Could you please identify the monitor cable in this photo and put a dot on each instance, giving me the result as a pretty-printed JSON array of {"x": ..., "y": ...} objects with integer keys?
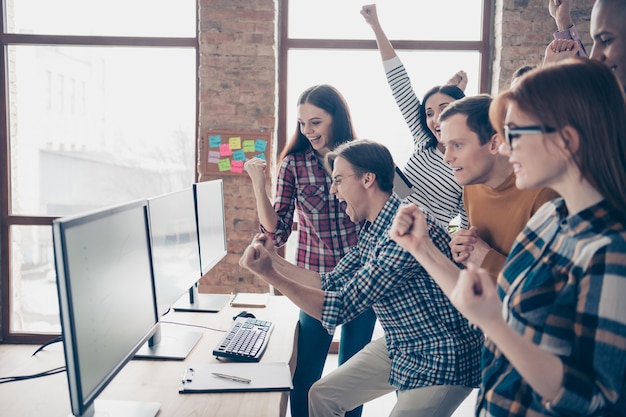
[{"x": 53, "y": 371}]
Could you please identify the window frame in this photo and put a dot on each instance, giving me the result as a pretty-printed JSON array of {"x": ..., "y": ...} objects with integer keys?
[
  {"x": 482, "y": 46},
  {"x": 6, "y": 218}
]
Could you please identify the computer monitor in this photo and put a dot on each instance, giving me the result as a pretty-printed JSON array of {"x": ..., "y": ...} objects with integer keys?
[
  {"x": 106, "y": 299},
  {"x": 209, "y": 206},
  {"x": 176, "y": 268},
  {"x": 209, "y": 198}
]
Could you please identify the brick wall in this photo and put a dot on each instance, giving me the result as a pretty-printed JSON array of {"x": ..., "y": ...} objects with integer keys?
[
  {"x": 523, "y": 29},
  {"x": 238, "y": 91}
]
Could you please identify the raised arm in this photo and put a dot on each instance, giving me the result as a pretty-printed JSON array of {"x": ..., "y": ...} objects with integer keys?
[
  {"x": 560, "y": 49},
  {"x": 397, "y": 78},
  {"x": 384, "y": 46},
  {"x": 255, "y": 168},
  {"x": 476, "y": 298},
  {"x": 410, "y": 230},
  {"x": 561, "y": 12},
  {"x": 459, "y": 79}
]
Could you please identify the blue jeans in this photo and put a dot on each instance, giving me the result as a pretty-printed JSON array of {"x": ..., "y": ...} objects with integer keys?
[{"x": 313, "y": 344}]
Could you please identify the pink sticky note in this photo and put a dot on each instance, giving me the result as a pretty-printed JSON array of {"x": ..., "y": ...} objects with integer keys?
[
  {"x": 225, "y": 150},
  {"x": 236, "y": 166}
]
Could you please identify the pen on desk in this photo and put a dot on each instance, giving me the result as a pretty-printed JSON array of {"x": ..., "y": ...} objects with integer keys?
[{"x": 232, "y": 378}]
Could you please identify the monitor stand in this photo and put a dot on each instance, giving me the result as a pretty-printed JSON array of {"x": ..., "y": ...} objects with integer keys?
[
  {"x": 202, "y": 303},
  {"x": 170, "y": 344},
  {"x": 110, "y": 408}
]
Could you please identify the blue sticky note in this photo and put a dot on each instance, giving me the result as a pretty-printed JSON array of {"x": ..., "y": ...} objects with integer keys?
[
  {"x": 239, "y": 155},
  {"x": 214, "y": 141},
  {"x": 260, "y": 145},
  {"x": 261, "y": 156}
]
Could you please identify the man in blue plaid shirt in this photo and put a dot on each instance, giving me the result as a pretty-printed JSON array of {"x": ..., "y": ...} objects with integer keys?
[{"x": 430, "y": 353}]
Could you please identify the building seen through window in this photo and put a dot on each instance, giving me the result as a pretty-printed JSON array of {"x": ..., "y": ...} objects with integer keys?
[{"x": 91, "y": 124}]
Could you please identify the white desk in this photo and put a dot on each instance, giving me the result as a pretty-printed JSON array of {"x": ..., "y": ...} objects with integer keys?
[{"x": 145, "y": 380}]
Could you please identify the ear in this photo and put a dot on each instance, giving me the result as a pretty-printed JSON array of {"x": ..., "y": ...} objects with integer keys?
[
  {"x": 570, "y": 140},
  {"x": 369, "y": 179},
  {"x": 494, "y": 144}
]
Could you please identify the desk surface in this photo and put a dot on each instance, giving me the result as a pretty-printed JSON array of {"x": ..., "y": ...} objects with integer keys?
[{"x": 146, "y": 380}]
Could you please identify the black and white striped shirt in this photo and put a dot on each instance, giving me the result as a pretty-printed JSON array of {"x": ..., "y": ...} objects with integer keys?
[{"x": 436, "y": 187}]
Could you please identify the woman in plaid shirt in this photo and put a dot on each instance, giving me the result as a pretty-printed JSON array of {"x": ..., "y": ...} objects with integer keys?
[
  {"x": 325, "y": 232},
  {"x": 555, "y": 324}
]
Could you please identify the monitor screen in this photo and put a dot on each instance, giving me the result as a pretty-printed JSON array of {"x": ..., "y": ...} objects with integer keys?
[
  {"x": 106, "y": 295},
  {"x": 209, "y": 206},
  {"x": 175, "y": 255},
  {"x": 211, "y": 228},
  {"x": 176, "y": 268}
]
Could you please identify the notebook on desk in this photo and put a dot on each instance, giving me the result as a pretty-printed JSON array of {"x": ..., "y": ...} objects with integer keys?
[
  {"x": 236, "y": 377},
  {"x": 247, "y": 299}
]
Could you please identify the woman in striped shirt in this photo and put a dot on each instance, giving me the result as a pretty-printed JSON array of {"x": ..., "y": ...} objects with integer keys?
[{"x": 436, "y": 189}]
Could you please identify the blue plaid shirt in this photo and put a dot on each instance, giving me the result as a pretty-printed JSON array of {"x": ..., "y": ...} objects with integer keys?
[
  {"x": 564, "y": 287},
  {"x": 428, "y": 340}
]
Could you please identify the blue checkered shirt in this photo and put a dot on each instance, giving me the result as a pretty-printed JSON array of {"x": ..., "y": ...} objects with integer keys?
[{"x": 428, "y": 340}]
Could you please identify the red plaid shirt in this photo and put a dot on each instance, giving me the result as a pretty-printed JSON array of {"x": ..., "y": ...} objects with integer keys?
[{"x": 325, "y": 232}]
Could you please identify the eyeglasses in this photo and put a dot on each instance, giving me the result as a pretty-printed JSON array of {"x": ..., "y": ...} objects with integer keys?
[
  {"x": 337, "y": 180},
  {"x": 511, "y": 133}
]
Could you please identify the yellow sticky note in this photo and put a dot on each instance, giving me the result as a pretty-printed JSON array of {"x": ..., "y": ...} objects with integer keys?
[{"x": 234, "y": 142}]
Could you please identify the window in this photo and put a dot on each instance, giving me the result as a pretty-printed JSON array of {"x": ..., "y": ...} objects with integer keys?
[
  {"x": 100, "y": 108},
  {"x": 329, "y": 42}
]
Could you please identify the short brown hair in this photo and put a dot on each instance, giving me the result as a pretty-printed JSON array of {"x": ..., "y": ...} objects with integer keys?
[{"x": 366, "y": 156}]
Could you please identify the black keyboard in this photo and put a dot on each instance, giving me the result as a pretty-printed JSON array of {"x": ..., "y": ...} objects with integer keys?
[{"x": 246, "y": 340}]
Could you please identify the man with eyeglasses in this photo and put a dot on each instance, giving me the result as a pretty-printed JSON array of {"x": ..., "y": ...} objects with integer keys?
[
  {"x": 429, "y": 354},
  {"x": 497, "y": 210}
]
